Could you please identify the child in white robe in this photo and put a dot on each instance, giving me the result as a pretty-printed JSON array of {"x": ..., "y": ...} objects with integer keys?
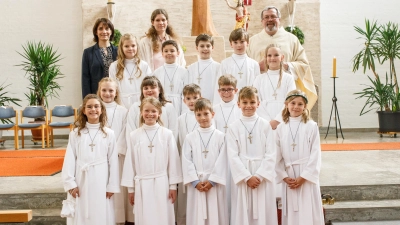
[
  {"x": 204, "y": 166},
  {"x": 298, "y": 163},
  {"x": 109, "y": 93},
  {"x": 90, "y": 169},
  {"x": 151, "y": 87},
  {"x": 129, "y": 70},
  {"x": 273, "y": 86},
  {"x": 239, "y": 65},
  {"x": 172, "y": 76},
  {"x": 205, "y": 71},
  {"x": 152, "y": 168},
  {"x": 186, "y": 124},
  {"x": 251, "y": 154}
]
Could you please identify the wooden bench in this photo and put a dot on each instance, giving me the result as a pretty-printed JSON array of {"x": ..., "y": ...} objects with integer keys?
[{"x": 12, "y": 216}]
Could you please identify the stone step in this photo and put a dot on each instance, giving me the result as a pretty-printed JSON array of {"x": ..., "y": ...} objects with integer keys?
[
  {"x": 363, "y": 192},
  {"x": 347, "y": 211},
  {"x": 32, "y": 201}
]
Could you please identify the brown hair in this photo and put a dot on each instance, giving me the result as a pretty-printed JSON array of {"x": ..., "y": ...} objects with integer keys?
[
  {"x": 153, "y": 81},
  {"x": 170, "y": 42},
  {"x": 153, "y": 101},
  {"x": 121, "y": 57},
  {"x": 280, "y": 64},
  {"x": 191, "y": 89},
  {"x": 152, "y": 32},
  {"x": 227, "y": 79},
  {"x": 105, "y": 22},
  {"x": 248, "y": 92},
  {"x": 239, "y": 34},
  {"x": 206, "y": 38},
  {"x": 81, "y": 120},
  {"x": 305, "y": 116},
  {"x": 117, "y": 98},
  {"x": 203, "y": 104}
]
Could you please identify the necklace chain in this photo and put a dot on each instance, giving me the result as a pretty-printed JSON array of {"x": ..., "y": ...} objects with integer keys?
[
  {"x": 187, "y": 130},
  {"x": 240, "y": 68},
  {"x": 92, "y": 139},
  {"x": 198, "y": 70},
  {"x": 226, "y": 121},
  {"x": 274, "y": 88},
  {"x": 205, "y": 146},
  {"x": 130, "y": 73},
  {"x": 291, "y": 134},
  {"x": 171, "y": 84},
  {"x": 250, "y": 132},
  {"x": 151, "y": 141},
  {"x": 112, "y": 120}
]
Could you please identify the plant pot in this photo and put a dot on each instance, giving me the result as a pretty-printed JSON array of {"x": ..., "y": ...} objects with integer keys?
[
  {"x": 37, "y": 134},
  {"x": 389, "y": 121}
]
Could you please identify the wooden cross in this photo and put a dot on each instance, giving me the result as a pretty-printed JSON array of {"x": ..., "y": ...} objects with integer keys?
[
  {"x": 205, "y": 153},
  {"x": 226, "y": 127},
  {"x": 198, "y": 79},
  {"x": 275, "y": 94},
  {"x": 250, "y": 137},
  {"x": 151, "y": 147},
  {"x": 92, "y": 145},
  {"x": 130, "y": 79},
  {"x": 240, "y": 73},
  {"x": 171, "y": 86},
  {"x": 293, "y": 145}
]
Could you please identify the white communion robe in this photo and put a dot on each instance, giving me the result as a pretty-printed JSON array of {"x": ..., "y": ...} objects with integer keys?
[
  {"x": 116, "y": 121},
  {"x": 235, "y": 65},
  {"x": 129, "y": 86},
  {"x": 169, "y": 118},
  {"x": 205, "y": 73},
  {"x": 271, "y": 106},
  {"x": 151, "y": 172},
  {"x": 94, "y": 171},
  {"x": 295, "y": 55},
  {"x": 301, "y": 205},
  {"x": 173, "y": 78},
  {"x": 186, "y": 124},
  {"x": 206, "y": 208},
  {"x": 252, "y": 206}
]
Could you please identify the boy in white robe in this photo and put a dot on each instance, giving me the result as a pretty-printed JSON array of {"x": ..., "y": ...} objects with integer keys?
[
  {"x": 205, "y": 71},
  {"x": 298, "y": 163},
  {"x": 152, "y": 168},
  {"x": 172, "y": 76},
  {"x": 252, "y": 156},
  {"x": 204, "y": 170},
  {"x": 243, "y": 68},
  {"x": 186, "y": 124}
]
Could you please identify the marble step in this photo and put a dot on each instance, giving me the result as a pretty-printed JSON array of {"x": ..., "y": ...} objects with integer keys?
[
  {"x": 363, "y": 192},
  {"x": 32, "y": 201},
  {"x": 376, "y": 210}
]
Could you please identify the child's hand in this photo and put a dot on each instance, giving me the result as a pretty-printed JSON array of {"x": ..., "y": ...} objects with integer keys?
[
  {"x": 253, "y": 182},
  {"x": 131, "y": 198},
  {"x": 298, "y": 182},
  {"x": 207, "y": 186},
  {"x": 262, "y": 64},
  {"x": 74, "y": 192},
  {"x": 200, "y": 186},
  {"x": 172, "y": 195},
  {"x": 274, "y": 124},
  {"x": 109, "y": 194},
  {"x": 289, "y": 180}
]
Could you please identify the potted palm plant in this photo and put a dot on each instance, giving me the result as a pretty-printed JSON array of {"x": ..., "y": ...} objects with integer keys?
[
  {"x": 381, "y": 45},
  {"x": 43, "y": 71}
]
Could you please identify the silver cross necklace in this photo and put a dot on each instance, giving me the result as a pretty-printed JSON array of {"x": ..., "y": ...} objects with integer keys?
[
  {"x": 223, "y": 116},
  {"x": 151, "y": 141},
  {"x": 130, "y": 74},
  {"x": 198, "y": 70},
  {"x": 92, "y": 139},
  {"x": 240, "y": 68},
  {"x": 294, "y": 138},
  {"x": 171, "y": 81},
  {"x": 250, "y": 132},
  {"x": 274, "y": 88},
  {"x": 205, "y": 146}
]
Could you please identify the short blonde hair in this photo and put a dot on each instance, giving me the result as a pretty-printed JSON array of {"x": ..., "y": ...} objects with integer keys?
[
  {"x": 156, "y": 103},
  {"x": 305, "y": 116},
  {"x": 248, "y": 92},
  {"x": 117, "y": 97},
  {"x": 203, "y": 104},
  {"x": 227, "y": 79}
]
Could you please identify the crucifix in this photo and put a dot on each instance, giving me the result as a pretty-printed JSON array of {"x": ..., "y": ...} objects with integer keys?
[
  {"x": 275, "y": 94},
  {"x": 226, "y": 127},
  {"x": 130, "y": 79},
  {"x": 250, "y": 137},
  {"x": 205, "y": 153},
  {"x": 171, "y": 86},
  {"x": 240, "y": 73},
  {"x": 151, "y": 147},
  {"x": 293, "y": 145},
  {"x": 92, "y": 145},
  {"x": 198, "y": 79}
]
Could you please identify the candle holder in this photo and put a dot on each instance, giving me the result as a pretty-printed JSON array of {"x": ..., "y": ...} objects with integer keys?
[{"x": 334, "y": 108}]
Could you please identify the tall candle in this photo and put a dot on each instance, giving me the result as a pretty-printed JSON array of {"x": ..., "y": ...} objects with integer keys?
[
  {"x": 110, "y": 0},
  {"x": 334, "y": 67}
]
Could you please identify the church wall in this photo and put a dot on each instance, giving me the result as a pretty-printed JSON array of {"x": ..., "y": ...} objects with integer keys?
[{"x": 338, "y": 38}]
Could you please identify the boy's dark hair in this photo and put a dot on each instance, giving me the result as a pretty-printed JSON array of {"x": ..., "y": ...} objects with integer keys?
[
  {"x": 204, "y": 37},
  {"x": 170, "y": 42},
  {"x": 239, "y": 34}
]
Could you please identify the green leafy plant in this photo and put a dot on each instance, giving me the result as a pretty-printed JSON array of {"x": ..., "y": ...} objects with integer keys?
[
  {"x": 381, "y": 44},
  {"x": 41, "y": 69},
  {"x": 296, "y": 31},
  {"x": 117, "y": 37},
  {"x": 6, "y": 100}
]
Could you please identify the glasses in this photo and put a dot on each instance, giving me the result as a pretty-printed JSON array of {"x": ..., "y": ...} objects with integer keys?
[
  {"x": 270, "y": 18},
  {"x": 223, "y": 90}
]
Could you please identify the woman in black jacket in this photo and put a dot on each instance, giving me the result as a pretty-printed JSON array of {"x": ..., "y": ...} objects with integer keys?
[{"x": 97, "y": 59}]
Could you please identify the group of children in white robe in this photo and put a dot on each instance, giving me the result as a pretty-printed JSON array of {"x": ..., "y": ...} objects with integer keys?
[{"x": 218, "y": 161}]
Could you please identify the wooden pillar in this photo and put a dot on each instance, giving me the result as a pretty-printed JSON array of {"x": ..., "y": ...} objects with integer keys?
[{"x": 201, "y": 18}]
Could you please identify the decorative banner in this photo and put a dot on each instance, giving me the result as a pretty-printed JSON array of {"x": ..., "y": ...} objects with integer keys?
[{"x": 247, "y": 2}]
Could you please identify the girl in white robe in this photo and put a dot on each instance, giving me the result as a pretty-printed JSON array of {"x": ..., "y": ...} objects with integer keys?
[
  {"x": 151, "y": 87},
  {"x": 204, "y": 166},
  {"x": 172, "y": 76},
  {"x": 110, "y": 95},
  {"x": 129, "y": 70},
  {"x": 299, "y": 163},
  {"x": 251, "y": 154},
  {"x": 273, "y": 86},
  {"x": 90, "y": 169},
  {"x": 152, "y": 168}
]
